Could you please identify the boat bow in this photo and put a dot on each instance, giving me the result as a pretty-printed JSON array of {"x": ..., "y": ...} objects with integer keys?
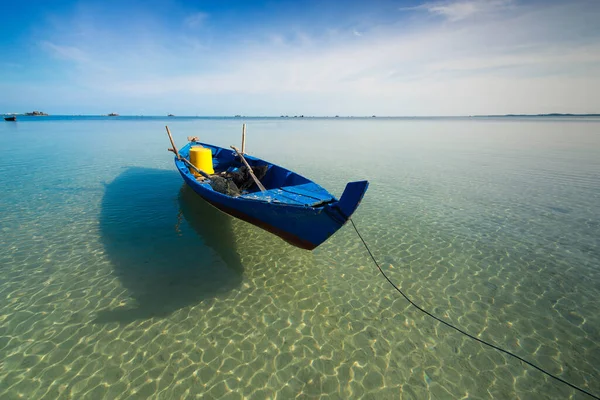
[{"x": 352, "y": 196}]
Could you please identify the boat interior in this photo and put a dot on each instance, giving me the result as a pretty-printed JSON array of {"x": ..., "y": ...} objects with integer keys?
[{"x": 282, "y": 185}]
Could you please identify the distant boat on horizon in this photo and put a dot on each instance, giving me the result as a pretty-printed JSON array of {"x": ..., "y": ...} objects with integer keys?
[
  {"x": 11, "y": 118},
  {"x": 170, "y": 115},
  {"x": 113, "y": 115}
]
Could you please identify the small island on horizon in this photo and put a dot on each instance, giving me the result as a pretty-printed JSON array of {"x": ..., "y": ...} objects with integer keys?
[{"x": 30, "y": 114}]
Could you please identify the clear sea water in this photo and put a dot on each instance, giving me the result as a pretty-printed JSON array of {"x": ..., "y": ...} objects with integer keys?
[{"x": 117, "y": 282}]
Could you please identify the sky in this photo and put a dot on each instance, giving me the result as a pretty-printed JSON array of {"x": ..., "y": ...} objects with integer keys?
[{"x": 321, "y": 58}]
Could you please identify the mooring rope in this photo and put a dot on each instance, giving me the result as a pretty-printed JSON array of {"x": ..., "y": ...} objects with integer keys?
[{"x": 460, "y": 330}]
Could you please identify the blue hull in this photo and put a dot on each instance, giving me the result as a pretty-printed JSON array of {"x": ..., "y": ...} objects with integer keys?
[{"x": 293, "y": 208}]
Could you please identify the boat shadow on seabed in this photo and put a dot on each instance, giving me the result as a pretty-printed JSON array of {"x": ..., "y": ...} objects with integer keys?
[{"x": 169, "y": 248}]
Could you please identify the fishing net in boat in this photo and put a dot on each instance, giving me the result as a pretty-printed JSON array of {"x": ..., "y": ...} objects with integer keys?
[
  {"x": 236, "y": 181},
  {"x": 223, "y": 185},
  {"x": 242, "y": 178}
]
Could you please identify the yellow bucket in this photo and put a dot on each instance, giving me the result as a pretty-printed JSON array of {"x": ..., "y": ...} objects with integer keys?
[{"x": 201, "y": 157}]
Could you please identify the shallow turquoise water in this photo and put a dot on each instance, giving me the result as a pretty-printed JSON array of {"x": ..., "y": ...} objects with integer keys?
[{"x": 117, "y": 281}]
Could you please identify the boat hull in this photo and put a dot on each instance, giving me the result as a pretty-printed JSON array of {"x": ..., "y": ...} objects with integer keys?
[{"x": 302, "y": 226}]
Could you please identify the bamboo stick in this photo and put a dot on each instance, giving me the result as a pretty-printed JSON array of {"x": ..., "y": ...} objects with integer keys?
[
  {"x": 260, "y": 185},
  {"x": 198, "y": 170},
  {"x": 244, "y": 139},
  {"x": 173, "y": 143}
]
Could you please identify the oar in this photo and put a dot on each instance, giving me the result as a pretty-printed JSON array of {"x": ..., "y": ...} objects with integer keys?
[
  {"x": 185, "y": 160},
  {"x": 260, "y": 185}
]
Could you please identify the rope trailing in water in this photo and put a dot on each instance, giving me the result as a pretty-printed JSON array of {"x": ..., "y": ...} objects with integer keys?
[{"x": 460, "y": 330}]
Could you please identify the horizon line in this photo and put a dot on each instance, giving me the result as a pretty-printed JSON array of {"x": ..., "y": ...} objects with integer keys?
[{"x": 309, "y": 116}]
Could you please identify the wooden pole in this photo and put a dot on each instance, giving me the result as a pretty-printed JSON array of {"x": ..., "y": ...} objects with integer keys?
[
  {"x": 260, "y": 185},
  {"x": 244, "y": 139},
  {"x": 173, "y": 143},
  {"x": 198, "y": 170}
]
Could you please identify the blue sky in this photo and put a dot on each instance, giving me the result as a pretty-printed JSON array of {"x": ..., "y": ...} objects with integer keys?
[{"x": 450, "y": 57}]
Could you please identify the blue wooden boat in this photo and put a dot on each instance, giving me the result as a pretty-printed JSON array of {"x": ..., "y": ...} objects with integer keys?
[{"x": 292, "y": 207}]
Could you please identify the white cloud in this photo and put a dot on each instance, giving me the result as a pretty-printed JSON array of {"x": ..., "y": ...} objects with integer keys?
[
  {"x": 462, "y": 9},
  {"x": 69, "y": 53},
  {"x": 195, "y": 20}
]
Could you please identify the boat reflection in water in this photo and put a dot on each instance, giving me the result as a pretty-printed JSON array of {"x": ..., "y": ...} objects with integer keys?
[
  {"x": 214, "y": 227},
  {"x": 164, "y": 264}
]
